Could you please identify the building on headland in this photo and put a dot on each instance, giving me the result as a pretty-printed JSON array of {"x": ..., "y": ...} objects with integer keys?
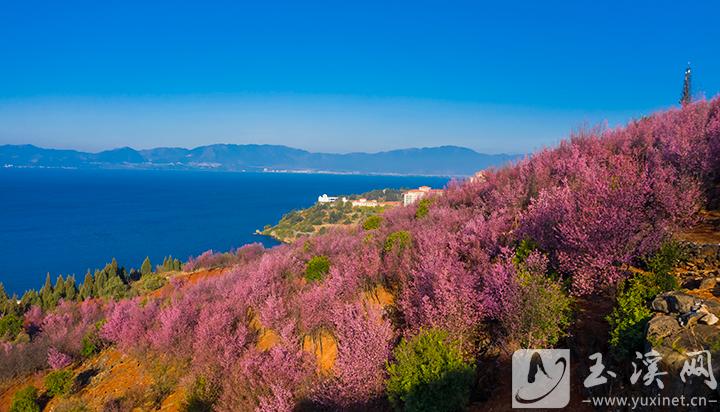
[
  {"x": 327, "y": 199},
  {"x": 412, "y": 196},
  {"x": 362, "y": 202}
]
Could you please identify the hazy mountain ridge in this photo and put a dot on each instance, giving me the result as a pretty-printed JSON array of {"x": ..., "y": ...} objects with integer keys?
[{"x": 442, "y": 160}]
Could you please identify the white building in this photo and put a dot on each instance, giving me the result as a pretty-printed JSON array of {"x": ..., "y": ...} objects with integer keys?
[
  {"x": 327, "y": 199},
  {"x": 330, "y": 199},
  {"x": 364, "y": 203},
  {"x": 412, "y": 196}
]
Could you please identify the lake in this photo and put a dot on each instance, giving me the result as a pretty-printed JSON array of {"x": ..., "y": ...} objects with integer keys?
[{"x": 67, "y": 221}]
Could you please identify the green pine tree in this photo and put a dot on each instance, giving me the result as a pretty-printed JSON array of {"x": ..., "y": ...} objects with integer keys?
[
  {"x": 146, "y": 267},
  {"x": 177, "y": 265},
  {"x": 3, "y": 301},
  {"x": 12, "y": 305},
  {"x": 114, "y": 288},
  {"x": 59, "y": 289},
  {"x": 87, "y": 289},
  {"x": 47, "y": 287},
  {"x": 101, "y": 278},
  {"x": 70, "y": 288},
  {"x": 46, "y": 294},
  {"x": 113, "y": 268},
  {"x": 30, "y": 298}
]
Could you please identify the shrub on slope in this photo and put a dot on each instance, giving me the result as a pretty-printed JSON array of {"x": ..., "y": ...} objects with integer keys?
[{"x": 429, "y": 374}]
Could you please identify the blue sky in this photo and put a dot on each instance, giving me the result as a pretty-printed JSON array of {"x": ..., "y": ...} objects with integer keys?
[{"x": 342, "y": 76}]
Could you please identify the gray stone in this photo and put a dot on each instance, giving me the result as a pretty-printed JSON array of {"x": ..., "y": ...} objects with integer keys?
[
  {"x": 673, "y": 343},
  {"x": 679, "y": 302},
  {"x": 712, "y": 307},
  {"x": 659, "y": 304},
  {"x": 661, "y": 326}
]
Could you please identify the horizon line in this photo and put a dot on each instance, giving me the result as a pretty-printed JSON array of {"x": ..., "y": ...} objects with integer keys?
[{"x": 264, "y": 144}]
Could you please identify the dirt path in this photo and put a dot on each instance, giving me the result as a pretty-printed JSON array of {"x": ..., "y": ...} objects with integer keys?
[{"x": 707, "y": 231}]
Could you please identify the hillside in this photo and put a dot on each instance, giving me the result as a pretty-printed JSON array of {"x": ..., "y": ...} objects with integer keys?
[
  {"x": 439, "y": 161},
  {"x": 576, "y": 247}
]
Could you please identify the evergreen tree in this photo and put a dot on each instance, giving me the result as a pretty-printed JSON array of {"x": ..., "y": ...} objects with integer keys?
[
  {"x": 177, "y": 265},
  {"x": 146, "y": 267},
  {"x": 686, "y": 96},
  {"x": 3, "y": 301},
  {"x": 113, "y": 268},
  {"x": 46, "y": 293},
  {"x": 114, "y": 288},
  {"x": 30, "y": 298},
  {"x": 70, "y": 288},
  {"x": 101, "y": 278},
  {"x": 12, "y": 305},
  {"x": 47, "y": 287},
  {"x": 59, "y": 289},
  {"x": 87, "y": 289}
]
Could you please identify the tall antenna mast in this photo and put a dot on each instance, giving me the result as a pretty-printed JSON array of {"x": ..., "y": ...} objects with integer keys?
[{"x": 686, "y": 97}]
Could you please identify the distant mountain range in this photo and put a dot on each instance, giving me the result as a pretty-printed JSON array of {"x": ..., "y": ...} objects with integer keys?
[{"x": 442, "y": 161}]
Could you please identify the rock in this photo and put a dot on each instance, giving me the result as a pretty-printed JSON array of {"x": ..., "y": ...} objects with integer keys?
[
  {"x": 708, "y": 319},
  {"x": 712, "y": 307},
  {"x": 659, "y": 304},
  {"x": 679, "y": 302},
  {"x": 674, "y": 343},
  {"x": 707, "y": 284},
  {"x": 689, "y": 282},
  {"x": 691, "y": 319},
  {"x": 661, "y": 326}
]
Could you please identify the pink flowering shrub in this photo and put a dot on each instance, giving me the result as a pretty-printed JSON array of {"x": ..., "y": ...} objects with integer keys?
[
  {"x": 500, "y": 288},
  {"x": 441, "y": 291},
  {"x": 127, "y": 324},
  {"x": 57, "y": 359},
  {"x": 220, "y": 337},
  {"x": 269, "y": 381},
  {"x": 210, "y": 259},
  {"x": 53, "y": 339},
  {"x": 364, "y": 344},
  {"x": 33, "y": 320},
  {"x": 603, "y": 217}
]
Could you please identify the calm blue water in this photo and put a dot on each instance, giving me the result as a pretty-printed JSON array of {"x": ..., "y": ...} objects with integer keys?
[{"x": 66, "y": 221}]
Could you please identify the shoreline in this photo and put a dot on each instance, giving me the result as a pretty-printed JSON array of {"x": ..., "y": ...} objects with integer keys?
[{"x": 213, "y": 170}]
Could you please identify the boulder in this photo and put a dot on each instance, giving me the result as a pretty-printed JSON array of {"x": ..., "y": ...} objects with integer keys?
[
  {"x": 674, "y": 347},
  {"x": 659, "y": 304},
  {"x": 661, "y": 326},
  {"x": 707, "y": 283},
  {"x": 679, "y": 302},
  {"x": 709, "y": 319}
]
